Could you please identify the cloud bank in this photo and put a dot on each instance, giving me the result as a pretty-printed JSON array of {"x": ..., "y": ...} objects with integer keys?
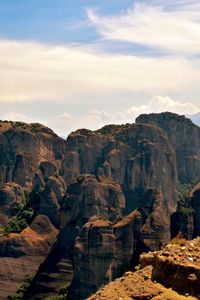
[{"x": 35, "y": 72}]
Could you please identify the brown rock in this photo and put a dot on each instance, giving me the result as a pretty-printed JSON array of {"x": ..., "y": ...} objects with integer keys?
[
  {"x": 185, "y": 139},
  {"x": 21, "y": 254},
  {"x": 11, "y": 196}
]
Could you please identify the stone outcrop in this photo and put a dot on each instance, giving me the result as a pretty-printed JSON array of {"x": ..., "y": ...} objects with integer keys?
[
  {"x": 137, "y": 285},
  {"x": 101, "y": 243},
  {"x": 22, "y": 149},
  {"x": 184, "y": 136},
  {"x": 85, "y": 213},
  {"x": 12, "y": 196},
  {"x": 172, "y": 273},
  {"x": 131, "y": 155},
  {"x": 21, "y": 254},
  {"x": 186, "y": 218},
  {"x": 177, "y": 266}
]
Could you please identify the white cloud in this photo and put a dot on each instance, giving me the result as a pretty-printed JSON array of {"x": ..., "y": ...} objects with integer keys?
[
  {"x": 33, "y": 71},
  {"x": 160, "y": 104},
  {"x": 20, "y": 117},
  {"x": 65, "y": 123},
  {"x": 176, "y": 29},
  {"x": 13, "y": 116}
]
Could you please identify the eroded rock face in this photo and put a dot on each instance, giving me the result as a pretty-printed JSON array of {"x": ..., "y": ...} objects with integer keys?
[
  {"x": 137, "y": 156},
  {"x": 91, "y": 198},
  {"x": 186, "y": 218},
  {"x": 12, "y": 195},
  {"x": 86, "y": 240},
  {"x": 100, "y": 246},
  {"x": 21, "y": 254},
  {"x": 185, "y": 139},
  {"x": 156, "y": 229},
  {"x": 182, "y": 221},
  {"x": 195, "y": 204},
  {"x": 23, "y": 147},
  {"x": 93, "y": 255},
  {"x": 110, "y": 193}
]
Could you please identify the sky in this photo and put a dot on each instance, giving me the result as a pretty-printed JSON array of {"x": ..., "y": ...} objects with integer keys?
[{"x": 73, "y": 64}]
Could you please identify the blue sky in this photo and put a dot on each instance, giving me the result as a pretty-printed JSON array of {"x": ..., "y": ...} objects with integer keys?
[
  {"x": 72, "y": 64},
  {"x": 53, "y": 21}
]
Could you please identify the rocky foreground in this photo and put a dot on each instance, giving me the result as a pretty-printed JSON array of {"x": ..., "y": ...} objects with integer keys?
[{"x": 170, "y": 274}]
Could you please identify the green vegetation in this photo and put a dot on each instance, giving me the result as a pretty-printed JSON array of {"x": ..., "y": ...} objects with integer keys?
[
  {"x": 57, "y": 297},
  {"x": 137, "y": 268},
  {"x": 21, "y": 293},
  {"x": 186, "y": 211},
  {"x": 184, "y": 189},
  {"x": 21, "y": 216},
  {"x": 62, "y": 294},
  {"x": 109, "y": 130},
  {"x": 33, "y": 127},
  {"x": 119, "y": 132},
  {"x": 16, "y": 224}
]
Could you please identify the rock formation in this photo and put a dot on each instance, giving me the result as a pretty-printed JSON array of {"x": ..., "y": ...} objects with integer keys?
[
  {"x": 109, "y": 194},
  {"x": 21, "y": 254},
  {"x": 23, "y": 147},
  {"x": 184, "y": 136},
  {"x": 186, "y": 218},
  {"x": 173, "y": 273}
]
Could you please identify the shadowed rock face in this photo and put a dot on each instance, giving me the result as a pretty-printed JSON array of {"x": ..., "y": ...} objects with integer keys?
[
  {"x": 137, "y": 156},
  {"x": 100, "y": 243},
  {"x": 110, "y": 194},
  {"x": 86, "y": 239},
  {"x": 185, "y": 139},
  {"x": 11, "y": 195},
  {"x": 186, "y": 219},
  {"x": 195, "y": 204}
]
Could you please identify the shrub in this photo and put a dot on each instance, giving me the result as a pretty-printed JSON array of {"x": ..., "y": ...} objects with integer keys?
[
  {"x": 184, "y": 189},
  {"x": 16, "y": 224},
  {"x": 62, "y": 294},
  {"x": 21, "y": 216},
  {"x": 21, "y": 293},
  {"x": 186, "y": 211}
]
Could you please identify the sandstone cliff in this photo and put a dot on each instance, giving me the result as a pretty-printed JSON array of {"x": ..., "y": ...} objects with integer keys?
[
  {"x": 184, "y": 136},
  {"x": 108, "y": 194}
]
